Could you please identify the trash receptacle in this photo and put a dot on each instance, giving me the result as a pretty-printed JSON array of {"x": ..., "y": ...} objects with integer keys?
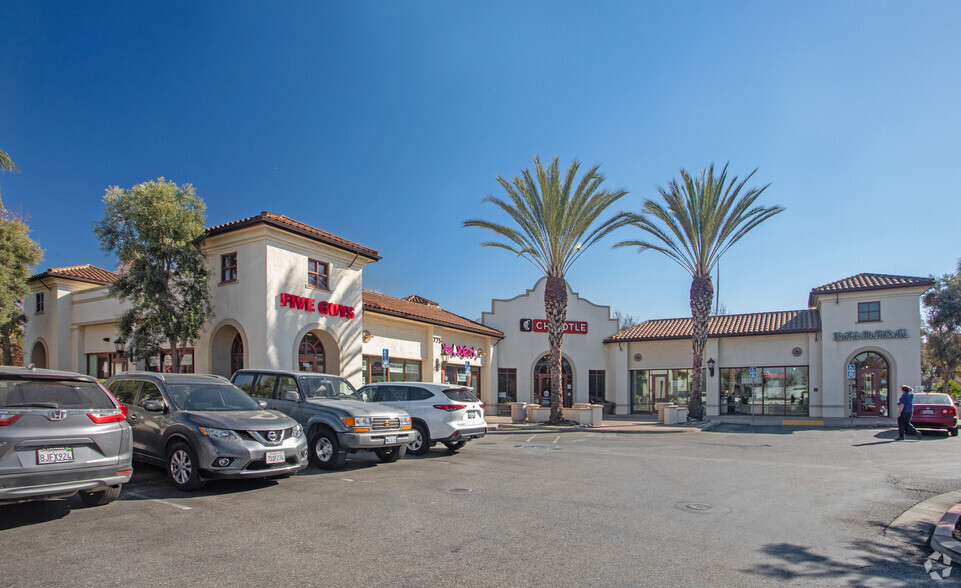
[
  {"x": 670, "y": 414},
  {"x": 661, "y": 408}
]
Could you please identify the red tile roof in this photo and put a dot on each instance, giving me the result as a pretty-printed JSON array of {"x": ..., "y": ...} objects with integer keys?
[
  {"x": 431, "y": 313},
  {"x": 867, "y": 282},
  {"x": 80, "y": 273},
  {"x": 732, "y": 325},
  {"x": 297, "y": 227}
]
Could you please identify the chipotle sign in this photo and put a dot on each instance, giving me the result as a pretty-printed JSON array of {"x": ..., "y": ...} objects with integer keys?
[
  {"x": 311, "y": 305},
  {"x": 540, "y": 326}
]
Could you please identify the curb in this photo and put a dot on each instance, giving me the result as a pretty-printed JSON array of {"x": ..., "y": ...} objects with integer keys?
[
  {"x": 642, "y": 429},
  {"x": 942, "y": 540}
]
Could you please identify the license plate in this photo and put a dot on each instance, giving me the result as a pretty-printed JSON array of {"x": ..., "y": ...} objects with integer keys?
[
  {"x": 55, "y": 455},
  {"x": 390, "y": 440},
  {"x": 471, "y": 414},
  {"x": 275, "y": 457},
  {"x": 927, "y": 412}
]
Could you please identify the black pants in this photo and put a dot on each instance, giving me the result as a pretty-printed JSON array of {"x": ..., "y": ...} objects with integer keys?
[{"x": 904, "y": 424}]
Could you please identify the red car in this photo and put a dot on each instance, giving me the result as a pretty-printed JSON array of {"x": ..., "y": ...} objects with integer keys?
[{"x": 935, "y": 411}]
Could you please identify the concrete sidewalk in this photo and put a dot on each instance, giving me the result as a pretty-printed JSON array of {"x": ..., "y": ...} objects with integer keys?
[{"x": 634, "y": 423}]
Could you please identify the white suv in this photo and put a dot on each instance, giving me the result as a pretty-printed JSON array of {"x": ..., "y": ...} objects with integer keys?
[{"x": 440, "y": 413}]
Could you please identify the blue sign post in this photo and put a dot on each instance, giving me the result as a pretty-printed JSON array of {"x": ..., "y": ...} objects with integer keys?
[
  {"x": 753, "y": 373},
  {"x": 467, "y": 372},
  {"x": 385, "y": 361},
  {"x": 851, "y": 371}
]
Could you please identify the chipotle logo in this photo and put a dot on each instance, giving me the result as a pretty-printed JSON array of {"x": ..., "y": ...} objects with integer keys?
[
  {"x": 311, "y": 305},
  {"x": 540, "y": 326}
]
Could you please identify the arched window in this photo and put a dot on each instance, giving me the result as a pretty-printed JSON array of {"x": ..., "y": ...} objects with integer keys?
[
  {"x": 237, "y": 354},
  {"x": 542, "y": 381},
  {"x": 868, "y": 391},
  {"x": 311, "y": 355}
]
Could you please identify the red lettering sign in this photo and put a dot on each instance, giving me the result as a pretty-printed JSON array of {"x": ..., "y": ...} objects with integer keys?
[
  {"x": 540, "y": 326},
  {"x": 310, "y": 305}
]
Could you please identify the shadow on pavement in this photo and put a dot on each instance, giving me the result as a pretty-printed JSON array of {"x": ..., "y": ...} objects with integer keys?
[{"x": 31, "y": 513}]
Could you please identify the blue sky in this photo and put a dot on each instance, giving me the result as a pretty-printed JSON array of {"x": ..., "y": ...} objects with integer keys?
[{"x": 386, "y": 123}]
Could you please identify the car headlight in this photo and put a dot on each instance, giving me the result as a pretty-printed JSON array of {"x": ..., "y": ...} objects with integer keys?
[
  {"x": 405, "y": 421},
  {"x": 298, "y": 431},
  {"x": 358, "y": 422},
  {"x": 220, "y": 434}
]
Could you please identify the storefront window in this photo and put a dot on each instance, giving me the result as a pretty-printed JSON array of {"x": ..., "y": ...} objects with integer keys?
[
  {"x": 775, "y": 390},
  {"x": 400, "y": 370},
  {"x": 650, "y": 387},
  {"x": 507, "y": 385},
  {"x": 104, "y": 365},
  {"x": 596, "y": 385}
]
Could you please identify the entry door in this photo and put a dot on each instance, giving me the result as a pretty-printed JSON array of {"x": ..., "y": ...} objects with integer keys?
[
  {"x": 543, "y": 390},
  {"x": 659, "y": 390},
  {"x": 869, "y": 392}
]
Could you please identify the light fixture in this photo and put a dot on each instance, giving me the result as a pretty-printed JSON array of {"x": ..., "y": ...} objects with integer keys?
[
  {"x": 710, "y": 366},
  {"x": 106, "y": 339},
  {"x": 436, "y": 365},
  {"x": 118, "y": 346}
]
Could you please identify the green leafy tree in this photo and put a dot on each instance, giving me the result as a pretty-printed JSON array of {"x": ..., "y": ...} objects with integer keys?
[
  {"x": 17, "y": 253},
  {"x": 555, "y": 219},
  {"x": 156, "y": 229},
  {"x": 699, "y": 219},
  {"x": 942, "y": 346}
]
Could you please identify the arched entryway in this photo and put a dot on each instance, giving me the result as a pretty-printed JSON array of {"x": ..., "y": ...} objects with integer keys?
[
  {"x": 227, "y": 350},
  {"x": 310, "y": 355},
  {"x": 38, "y": 355},
  {"x": 868, "y": 391},
  {"x": 542, "y": 382}
]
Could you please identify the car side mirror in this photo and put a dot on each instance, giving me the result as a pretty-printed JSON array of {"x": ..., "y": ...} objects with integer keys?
[
  {"x": 153, "y": 406},
  {"x": 291, "y": 396},
  {"x": 262, "y": 403}
]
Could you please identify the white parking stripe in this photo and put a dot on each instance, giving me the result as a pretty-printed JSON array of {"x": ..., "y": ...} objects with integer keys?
[
  {"x": 556, "y": 439},
  {"x": 158, "y": 500},
  {"x": 529, "y": 440}
]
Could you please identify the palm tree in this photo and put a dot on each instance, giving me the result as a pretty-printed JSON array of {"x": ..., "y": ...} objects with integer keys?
[
  {"x": 6, "y": 164},
  {"x": 554, "y": 223},
  {"x": 703, "y": 217}
]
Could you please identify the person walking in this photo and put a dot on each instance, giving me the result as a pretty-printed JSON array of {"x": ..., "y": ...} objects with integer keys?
[{"x": 905, "y": 411}]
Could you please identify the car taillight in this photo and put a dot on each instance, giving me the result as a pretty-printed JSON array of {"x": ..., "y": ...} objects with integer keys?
[
  {"x": 949, "y": 411},
  {"x": 113, "y": 416},
  {"x": 450, "y": 407},
  {"x": 482, "y": 405},
  {"x": 8, "y": 418}
]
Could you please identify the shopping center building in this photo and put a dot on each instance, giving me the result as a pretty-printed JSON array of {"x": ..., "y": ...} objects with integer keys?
[{"x": 288, "y": 295}]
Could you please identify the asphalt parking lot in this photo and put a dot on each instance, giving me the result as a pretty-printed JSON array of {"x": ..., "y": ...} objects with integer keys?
[{"x": 731, "y": 506}]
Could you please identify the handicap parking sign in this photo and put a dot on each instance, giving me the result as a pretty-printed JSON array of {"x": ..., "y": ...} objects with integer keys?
[{"x": 851, "y": 371}]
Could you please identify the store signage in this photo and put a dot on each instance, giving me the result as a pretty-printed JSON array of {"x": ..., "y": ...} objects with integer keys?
[
  {"x": 879, "y": 334},
  {"x": 540, "y": 326},
  {"x": 458, "y": 350},
  {"x": 311, "y": 305},
  {"x": 852, "y": 370}
]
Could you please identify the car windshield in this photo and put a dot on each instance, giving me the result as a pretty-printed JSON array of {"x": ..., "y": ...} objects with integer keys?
[
  {"x": 461, "y": 395},
  {"x": 932, "y": 399},
  {"x": 210, "y": 397},
  {"x": 327, "y": 387},
  {"x": 22, "y": 393}
]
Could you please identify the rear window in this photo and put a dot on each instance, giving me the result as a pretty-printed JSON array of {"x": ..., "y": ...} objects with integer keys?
[
  {"x": 461, "y": 395},
  {"x": 53, "y": 394},
  {"x": 932, "y": 399}
]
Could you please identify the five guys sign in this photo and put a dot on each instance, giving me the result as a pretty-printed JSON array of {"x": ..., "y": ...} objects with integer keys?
[
  {"x": 309, "y": 305},
  {"x": 540, "y": 326}
]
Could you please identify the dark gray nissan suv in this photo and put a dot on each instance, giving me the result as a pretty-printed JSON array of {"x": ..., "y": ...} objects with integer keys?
[{"x": 200, "y": 427}]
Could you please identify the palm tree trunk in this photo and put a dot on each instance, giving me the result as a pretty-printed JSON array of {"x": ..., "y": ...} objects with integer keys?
[
  {"x": 702, "y": 293},
  {"x": 555, "y": 307}
]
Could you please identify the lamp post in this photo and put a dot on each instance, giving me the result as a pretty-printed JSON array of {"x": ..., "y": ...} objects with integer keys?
[
  {"x": 710, "y": 366},
  {"x": 118, "y": 346}
]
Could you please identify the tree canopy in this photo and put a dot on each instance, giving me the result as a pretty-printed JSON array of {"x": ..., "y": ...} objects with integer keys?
[
  {"x": 157, "y": 231},
  {"x": 942, "y": 347}
]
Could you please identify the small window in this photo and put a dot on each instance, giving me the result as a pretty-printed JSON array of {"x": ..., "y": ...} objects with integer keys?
[
  {"x": 869, "y": 312},
  {"x": 284, "y": 385},
  {"x": 506, "y": 384},
  {"x": 126, "y": 390},
  {"x": 39, "y": 302},
  {"x": 228, "y": 267},
  {"x": 150, "y": 391},
  {"x": 244, "y": 381},
  {"x": 264, "y": 387},
  {"x": 317, "y": 274},
  {"x": 595, "y": 386},
  {"x": 418, "y": 394}
]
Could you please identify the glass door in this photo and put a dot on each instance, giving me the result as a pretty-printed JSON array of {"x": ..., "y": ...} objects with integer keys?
[
  {"x": 869, "y": 392},
  {"x": 659, "y": 389}
]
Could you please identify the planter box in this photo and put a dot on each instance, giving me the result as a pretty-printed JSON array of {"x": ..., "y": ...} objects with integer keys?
[
  {"x": 538, "y": 414},
  {"x": 519, "y": 412},
  {"x": 585, "y": 414}
]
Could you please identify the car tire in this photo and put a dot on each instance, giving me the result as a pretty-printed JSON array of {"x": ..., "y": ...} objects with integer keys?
[
  {"x": 953, "y": 431},
  {"x": 421, "y": 443},
  {"x": 183, "y": 469},
  {"x": 391, "y": 454},
  {"x": 100, "y": 497},
  {"x": 454, "y": 445},
  {"x": 325, "y": 451}
]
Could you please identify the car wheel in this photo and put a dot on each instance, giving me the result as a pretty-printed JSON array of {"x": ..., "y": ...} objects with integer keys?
[
  {"x": 953, "y": 431},
  {"x": 100, "y": 497},
  {"x": 390, "y": 454},
  {"x": 325, "y": 451},
  {"x": 183, "y": 467},
  {"x": 421, "y": 443},
  {"x": 455, "y": 445}
]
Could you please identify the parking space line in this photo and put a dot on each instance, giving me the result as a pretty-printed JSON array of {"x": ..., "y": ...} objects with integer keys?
[
  {"x": 159, "y": 500},
  {"x": 531, "y": 439},
  {"x": 556, "y": 439}
]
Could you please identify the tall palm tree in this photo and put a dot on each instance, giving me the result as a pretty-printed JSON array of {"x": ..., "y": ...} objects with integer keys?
[
  {"x": 554, "y": 222},
  {"x": 702, "y": 218},
  {"x": 6, "y": 164}
]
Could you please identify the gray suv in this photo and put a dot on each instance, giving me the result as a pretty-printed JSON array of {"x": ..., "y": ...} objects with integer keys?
[
  {"x": 60, "y": 433},
  {"x": 336, "y": 419},
  {"x": 200, "y": 427}
]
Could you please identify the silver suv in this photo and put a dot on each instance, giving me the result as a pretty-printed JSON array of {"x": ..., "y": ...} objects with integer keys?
[
  {"x": 200, "y": 427},
  {"x": 442, "y": 413},
  {"x": 337, "y": 421},
  {"x": 60, "y": 433}
]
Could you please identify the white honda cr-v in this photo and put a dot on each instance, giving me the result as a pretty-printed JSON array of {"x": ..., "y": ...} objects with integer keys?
[{"x": 440, "y": 413}]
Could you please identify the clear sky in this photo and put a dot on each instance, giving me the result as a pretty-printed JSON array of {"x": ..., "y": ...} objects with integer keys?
[{"x": 386, "y": 123}]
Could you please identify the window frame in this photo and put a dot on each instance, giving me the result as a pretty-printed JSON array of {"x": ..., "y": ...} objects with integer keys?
[
  {"x": 869, "y": 312},
  {"x": 511, "y": 375},
  {"x": 39, "y": 303},
  {"x": 593, "y": 376},
  {"x": 225, "y": 268},
  {"x": 318, "y": 274}
]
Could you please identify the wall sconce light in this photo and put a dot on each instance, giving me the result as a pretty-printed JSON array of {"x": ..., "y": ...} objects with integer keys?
[
  {"x": 118, "y": 346},
  {"x": 710, "y": 366},
  {"x": 106, "y": 339},
  {"x": 480, "y": 353},
  {"x": 436, "y": 365}
]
